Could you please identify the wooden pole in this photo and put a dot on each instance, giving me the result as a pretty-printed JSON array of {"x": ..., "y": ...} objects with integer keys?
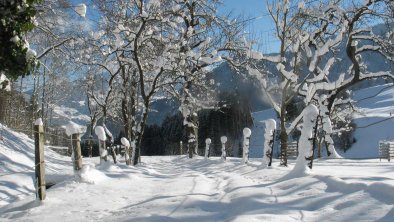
[
  {"x": 207, "y": 143},
  {"x": 313, "y": 143},
  {"x": 272, "y": 148},
  {"x": 127, "y": 155},
  {"x": 90, "y": 145},
  {"x": 39, "y": 161},
  {"x": 76, "y": 142},
  {"x": 113, "y": 153},
  {"x": 103, "y": 151}
]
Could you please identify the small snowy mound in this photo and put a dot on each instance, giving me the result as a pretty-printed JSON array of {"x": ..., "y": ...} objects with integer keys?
[
  {"x": 89, "y": 174},
  {"x": 109, "y": 167}
]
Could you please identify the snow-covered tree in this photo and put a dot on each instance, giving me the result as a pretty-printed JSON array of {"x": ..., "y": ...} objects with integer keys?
[
  {"x": 17, "y": 19},
  {"x": 204, "y": 39},
  {"x": 346, "y": 30},
  {"x": 311, "y": 36},
  {"x": 282, "y": 86},
  {"x": 52, "y": 39},
  {"x": 305, "y": 149}
]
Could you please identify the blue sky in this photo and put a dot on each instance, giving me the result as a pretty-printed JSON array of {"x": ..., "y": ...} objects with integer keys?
[{"x": 260, "y": 29}]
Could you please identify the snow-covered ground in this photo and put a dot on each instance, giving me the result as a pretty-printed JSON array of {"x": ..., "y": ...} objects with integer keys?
[
  {"x": 375, "y": 120},
  {"x": 179, "y": 189},
  {"x": 17, "y": 166},
  {"x": 175, "y": 188}
]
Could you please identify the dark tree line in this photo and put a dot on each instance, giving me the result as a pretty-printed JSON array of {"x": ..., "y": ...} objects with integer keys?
[{"x": 229, "y": 120}]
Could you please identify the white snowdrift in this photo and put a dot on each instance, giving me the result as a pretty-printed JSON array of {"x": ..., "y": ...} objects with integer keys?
[{"x": 181, "y": 189}]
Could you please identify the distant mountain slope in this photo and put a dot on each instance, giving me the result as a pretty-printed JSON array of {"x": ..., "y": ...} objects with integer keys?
[
  {"x": 373, "y": 120},
  {"x": 226, "y": 79}
]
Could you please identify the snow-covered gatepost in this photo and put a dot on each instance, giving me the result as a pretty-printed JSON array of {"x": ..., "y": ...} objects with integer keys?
[
  {"x": 74, "y": 130},
  {"x": 223, "y": 139},
  {"x": 125, "y": 142},
  {"x": 305, "y": 150},
  {"x": 245, "y": 154},
  {"x": 39, "y": 158},
  {"x": 100, "y": 132},
  {"x": 180, "y": 147},
  {"x": 207, "y": 143},
  {"x": 270, "y": 126}
]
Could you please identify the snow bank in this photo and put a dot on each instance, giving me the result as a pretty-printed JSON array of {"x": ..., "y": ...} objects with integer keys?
[
  {"x": 217, "y": 191},
  {"x": 17, "y": 166}
]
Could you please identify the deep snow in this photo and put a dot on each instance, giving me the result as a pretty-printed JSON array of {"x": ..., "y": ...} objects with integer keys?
[{"x": 175, "y": 188}]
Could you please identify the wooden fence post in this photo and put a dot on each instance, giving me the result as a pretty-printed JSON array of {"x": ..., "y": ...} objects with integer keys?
[
  {"x": 272, "y": 147},
  {"x": 207, "y": 143},
  {"x": 76, "y": 142},
  {"x": 223, "y": 139},
  {"x": 245, "y": 154},
  {"x": 103, "y": 151},
  {"x": 90, "y": 146},
  {"x": 39, "y": 159},
  {"x": 100, "y": 132},
  {"x": 125, "y": 142}
]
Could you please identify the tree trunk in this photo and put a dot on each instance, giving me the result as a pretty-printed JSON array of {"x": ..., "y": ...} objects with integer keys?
[
  {"x": 283, "y": 140},
  {"x": 137, "y": 157},
  {"x": 191, "y": 138}
]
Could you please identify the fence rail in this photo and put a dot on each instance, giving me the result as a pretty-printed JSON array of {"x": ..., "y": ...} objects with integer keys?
[{"x": 386, "y": 150}]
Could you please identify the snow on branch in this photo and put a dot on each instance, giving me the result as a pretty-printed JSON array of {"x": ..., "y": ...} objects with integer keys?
[{"x": 288, "y": 75}]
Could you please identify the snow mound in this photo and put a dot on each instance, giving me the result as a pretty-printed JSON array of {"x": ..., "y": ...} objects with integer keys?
[
  {"x": 89, "y": 174},
  {"x": 108, "y": 166}
]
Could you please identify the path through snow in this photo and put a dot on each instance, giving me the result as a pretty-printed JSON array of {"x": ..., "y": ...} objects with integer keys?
[{"x": 176, "y": 188}]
